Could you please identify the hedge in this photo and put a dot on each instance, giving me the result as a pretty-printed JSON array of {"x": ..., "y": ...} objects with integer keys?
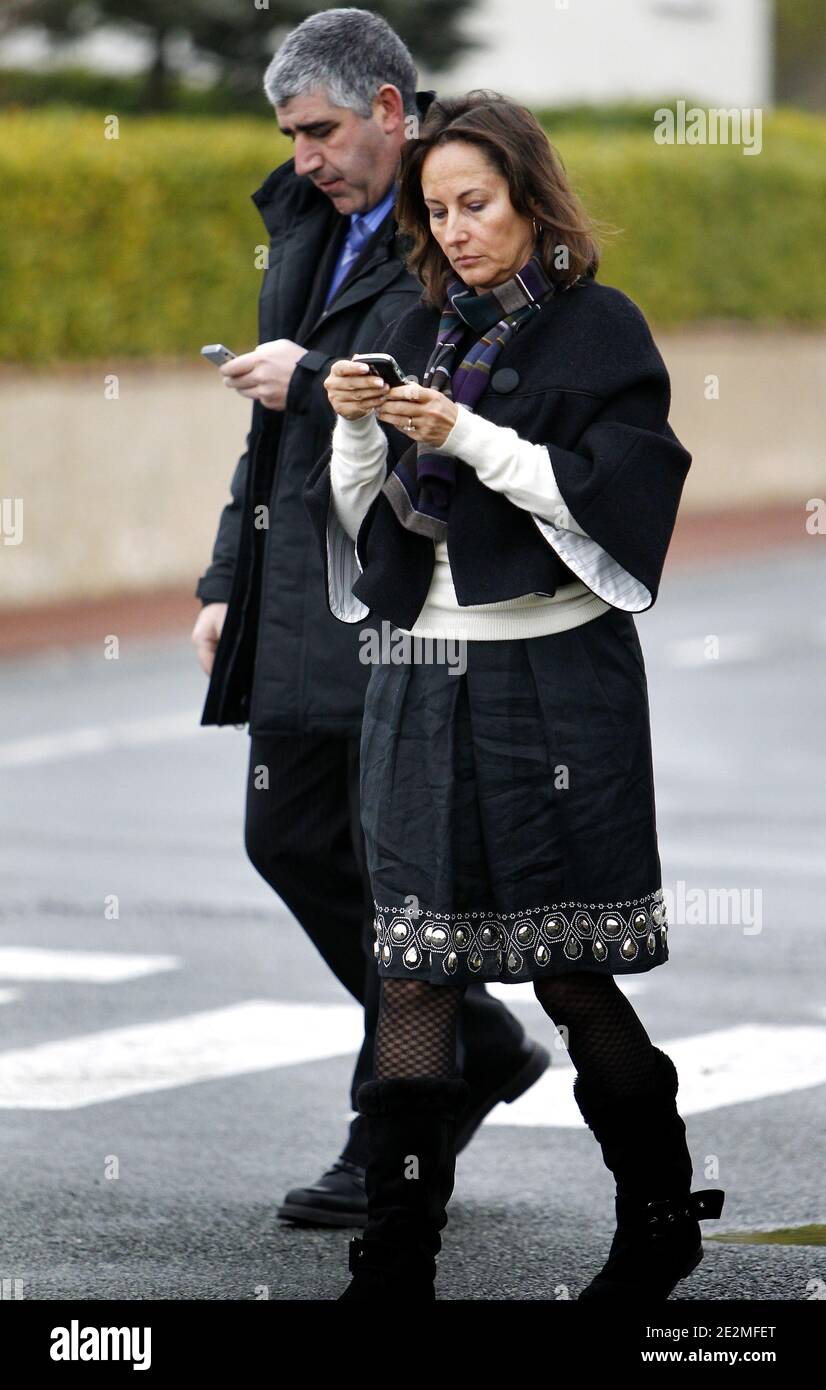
[
  {"x": 145, "y": 245},
  {"x": 108, "y": 91}
]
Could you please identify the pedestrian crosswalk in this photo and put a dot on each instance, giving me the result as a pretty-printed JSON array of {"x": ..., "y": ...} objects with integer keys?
[
  {"x": 728, "y": 1066},
  {"x": 94, "y": 967},
  {"x": 110, "y": 1065}
]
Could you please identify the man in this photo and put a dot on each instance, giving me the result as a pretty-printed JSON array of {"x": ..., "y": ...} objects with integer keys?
[{"x": 343, "y": 87}]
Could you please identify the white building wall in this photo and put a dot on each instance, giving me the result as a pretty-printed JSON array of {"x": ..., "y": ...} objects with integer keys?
[{"x": 555, "y": 52}]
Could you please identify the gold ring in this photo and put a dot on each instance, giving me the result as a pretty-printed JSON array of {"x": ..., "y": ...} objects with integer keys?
[{"x": 410, "y": 423}]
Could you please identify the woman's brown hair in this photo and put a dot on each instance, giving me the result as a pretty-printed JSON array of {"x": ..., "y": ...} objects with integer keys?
[{"x": 518, "y": 147}]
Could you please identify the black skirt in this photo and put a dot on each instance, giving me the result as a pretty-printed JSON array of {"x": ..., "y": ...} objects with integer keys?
[{"x": 508, "y": 810}]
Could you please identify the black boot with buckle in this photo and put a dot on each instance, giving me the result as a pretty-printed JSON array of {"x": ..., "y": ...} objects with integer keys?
[
  {"x": 409, "y": 1179},
  {"x": 643, "y": 1139}
]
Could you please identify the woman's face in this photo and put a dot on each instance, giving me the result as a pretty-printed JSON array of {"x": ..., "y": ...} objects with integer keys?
[{"x": 472, "y": 216}]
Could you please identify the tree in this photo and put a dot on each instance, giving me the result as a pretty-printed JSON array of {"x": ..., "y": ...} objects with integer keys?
[{"x": 238, "y": 36}]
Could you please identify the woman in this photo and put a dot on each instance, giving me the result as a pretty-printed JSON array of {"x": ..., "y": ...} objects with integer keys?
[{"x": 521, "y": 499}]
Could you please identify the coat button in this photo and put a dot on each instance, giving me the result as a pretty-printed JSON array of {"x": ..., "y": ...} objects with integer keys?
[{"x": 505, "y": 380}]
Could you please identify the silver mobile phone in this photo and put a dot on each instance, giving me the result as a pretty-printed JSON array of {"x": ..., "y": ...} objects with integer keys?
[{"x": 217, "y": 353}]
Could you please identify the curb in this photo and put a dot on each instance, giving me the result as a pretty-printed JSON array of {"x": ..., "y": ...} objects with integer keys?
[{"x": 698, "y": 539}]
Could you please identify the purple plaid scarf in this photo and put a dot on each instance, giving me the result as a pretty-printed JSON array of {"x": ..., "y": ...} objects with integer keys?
[{"x": 421, "y": 486}]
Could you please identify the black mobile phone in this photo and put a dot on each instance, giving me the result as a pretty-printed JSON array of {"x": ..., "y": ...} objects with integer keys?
[{"x": 383, "y": 365}]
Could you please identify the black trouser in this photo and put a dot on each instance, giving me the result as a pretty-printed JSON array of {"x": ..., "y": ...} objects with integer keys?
[{"x": 303, "y": 834}]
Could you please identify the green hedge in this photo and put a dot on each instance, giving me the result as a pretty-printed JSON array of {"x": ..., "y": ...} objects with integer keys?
[
  {"x": 103, "y": 91},
  {"x": 145, "y": 245}
]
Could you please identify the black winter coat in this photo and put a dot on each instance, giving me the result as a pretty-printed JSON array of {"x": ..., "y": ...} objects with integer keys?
[
  {"x": 584, "y": 377},
  {"x": 283, "y": 663}
]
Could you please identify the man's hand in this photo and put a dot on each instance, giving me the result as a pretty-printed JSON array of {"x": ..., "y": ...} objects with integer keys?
[
  {"x": 265, "y": 373},
  {"x": 206, "y": 633}
]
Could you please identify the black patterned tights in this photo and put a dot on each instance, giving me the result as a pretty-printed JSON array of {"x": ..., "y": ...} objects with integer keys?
[
  {"x": 416, "y": 1029},
  {"x": 605, "y": 1039},
  {"x": 606, "y": 1042}
]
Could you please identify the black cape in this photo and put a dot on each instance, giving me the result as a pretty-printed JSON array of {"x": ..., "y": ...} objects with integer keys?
[{"x": 583, "y": 377}]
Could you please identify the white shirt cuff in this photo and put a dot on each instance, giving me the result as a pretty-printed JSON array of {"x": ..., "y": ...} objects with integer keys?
[{"x": 507, "y": 463}]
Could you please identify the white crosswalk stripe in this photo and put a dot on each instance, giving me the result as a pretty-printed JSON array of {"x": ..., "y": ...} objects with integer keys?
[
  {"x": 724, "y": 1067},
  {"x": 95, "y": 967},
  {"x": 248, "y": 1037},
  {"x": 524, "y": 993}
]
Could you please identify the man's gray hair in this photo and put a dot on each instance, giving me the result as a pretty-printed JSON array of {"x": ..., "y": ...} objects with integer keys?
[{"x": 347, "y": 53}]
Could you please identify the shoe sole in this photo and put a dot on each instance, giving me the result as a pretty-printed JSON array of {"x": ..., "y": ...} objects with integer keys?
[
  {"x": 537, "y": 1063},
  {"x": 608, "y": 1292},
  {"x": 320, "y": 1216},
  {"x": 692, "y": 1265}
]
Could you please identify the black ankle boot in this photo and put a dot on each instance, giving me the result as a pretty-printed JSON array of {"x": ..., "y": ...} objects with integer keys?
[
  {"x": 409, "y": 1179},
  {"x": 658, "y": 1240}
]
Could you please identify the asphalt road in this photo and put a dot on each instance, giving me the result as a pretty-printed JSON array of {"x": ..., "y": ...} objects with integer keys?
[{"x": 156, "y": 1099}]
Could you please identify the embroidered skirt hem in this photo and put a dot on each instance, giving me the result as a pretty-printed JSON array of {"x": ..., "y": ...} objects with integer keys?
[{"x": 614, "y": 938}]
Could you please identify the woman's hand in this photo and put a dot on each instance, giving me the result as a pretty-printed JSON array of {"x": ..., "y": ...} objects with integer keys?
[
  {"x": 352, "y": 391},
  {"x": 431, "y": 413}
]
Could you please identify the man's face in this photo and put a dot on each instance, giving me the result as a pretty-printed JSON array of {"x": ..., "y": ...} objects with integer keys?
[{"x": 352, "y": 160}]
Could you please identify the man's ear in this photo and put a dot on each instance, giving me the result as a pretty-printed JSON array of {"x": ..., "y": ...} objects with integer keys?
[{"x": 388, "y": 107}]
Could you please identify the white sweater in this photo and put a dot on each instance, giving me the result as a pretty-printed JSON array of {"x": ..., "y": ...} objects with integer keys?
[{"x": 508, "y": 464}]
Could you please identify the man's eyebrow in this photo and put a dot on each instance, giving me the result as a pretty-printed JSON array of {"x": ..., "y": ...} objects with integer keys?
[
  {"x": 306, "y": 126},
  {"x": 461, "y": 195}
]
